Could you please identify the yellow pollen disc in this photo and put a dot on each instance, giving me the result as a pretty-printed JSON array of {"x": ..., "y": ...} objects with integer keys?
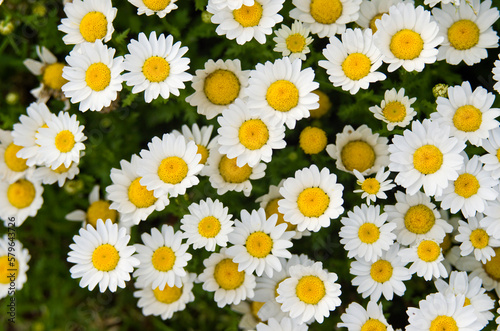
[
  {"x": 373, "y": 325},
  {"x": 295, "y": 43},
  {"x": 381, "y": 271},
  {"x": 467, "y": 118},
  {"x": 105, "y": 257},
  {"x": 406, "y": 44},
  {"x": 93, "y": 26},
  {"x": 463, "y": 34},
  {"x": 6, "y": 264},
  {"x": 272, "y": 208},
  {"x": 466, "y": 302},
  {"x": 428, "y": 250},
  {"x": 372, "y": 25},
  {"x": 419, "y": 219},
  {"x": 498, "y": 155},
  {"x": 203, "y": 151},
  {"x": 228, "y": 277},
  {"x": 21, "y": 193},
  {"x": 98, "y": 76},
  {"x": 156, "y": 69},
  {"x": 13, "y": 162},
  {"x": 62, "y": 169},
  {"x": 443, "y": 323},
  {"x": 139, "y": 195},
  {"x": 64, "y": 141},
  {"x": 100, "y": 210},
  {"x": 357, "y": 155},
  {"x": 310, "y": 290},
  {"x": 209, "y": 227},
  {"x": 492, "y": 267},
  {"x": 368, "y": 233},
  {"x": 356, "y": 66},
  {"x": 163, "y": 259},
  {"x": 324, "y": 105},
  {"x": 231, "y": 173},
  {"x": 52, "y": 76},
  {"x": 282, "y": 95},
  {"x": 168, "y": 295},
  {"x": 312, "y": 140},
  {"x": 313, "y": 202},
  {"x": 172, "y": 170},
  {"x": 248, "y": 15},
  {"x": 394, "y": 112},
  {"x": 446, "y": 244},
  {"x": 259, "y": 244},
  {"x": 156, "y": 5},
  {"x": 479, "y": 238},
  {"x": 255, "y": 307},
  {"x": 253, "y": 134},
  {"x": 427, "y": 159},
  {"x": 371, "y": 186},
  {"x": 466, "y": 185},
  {"x": 221, "y": 87},
  {"x": 326, "y": 11}
]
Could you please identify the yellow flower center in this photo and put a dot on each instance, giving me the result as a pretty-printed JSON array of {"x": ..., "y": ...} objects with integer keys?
[
  {"x": 248, "y": 16},
  {"x": 98, "y": 76},
  {"x": 52, "y": 76},
  {"x": 394, "y": 112},
  {"x": 381, "y": 271},
  {"x": 295, "y": 43},
  {"x": 371, "y": 186},
  {"x": 312, "y": 140},
  {"x": 356, "y": 66},
  {"x": 93, "y": 26},
  {"x": 446, "y": 244},
  {"x": 427, "y": 159},
  {"x": 428, "y": 250},
  {"x": 467, "y": 118},
  {"x": 228, "y": 277},
  {"x": 156, "y": 5},
  {"x": 357, "y": 155},
  {"x": 231, "y": 173},
  {"x": 324, "y": 105},
  {"x": 100, "y": 210},
  {"x": 168, "y": 295},
  {"x": 466, "y": 302},
  {"x": 272, "y": 208},
  {"x": 373, "y": 325},
  {"x": 479, "y": 238},
  {"x": 419, "y": 219},
  {"x": 259, "y": 244},
  {"x": 310, "y": 289},
  {"x": 255, "y": 307},
  {"x": 139, "y": 195},
  {"x": 372, "y": 25},
  {"x": 368, "y": 233},
  {"x": 13, "y": 162},
  {"x": 21, "y": 193},
  {"x": 64, "y": 141},
  {"x": 326, "y": 11},
  {"x": 466, "y": 185},
  {"x": 172, "y": 170},
  {"x": 156, "y": 69},
  {"x": 105, "y": 257},
  {"x": 5, "y": 265},
  {"x": 253, "y": 134},
  {"x": 282, "y": 95},
  {"x": 443, "y": 323},
  {"x": 313, "y": 202},
  {"x": 163, "y": 259},
  {"x": 62, "y": 169},
  {"x": 203, "y": 151},
  {"x": 221, "y": 87},
  {"x": 406, "y": 44},
  {"x": 492, "y": 267},
  {"x": 463, "y": 34},
  {"x": 209, "y": 227},
  {"x": 498, "y": 155}
]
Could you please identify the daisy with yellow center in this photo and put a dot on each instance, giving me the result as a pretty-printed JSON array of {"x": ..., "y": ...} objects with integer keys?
[
  {"x": 152, "y": 7},
  {"x": 372, "y": 318},
  {"x": 49, "y": 176},
  {"x": 475, "y": 239},
  {"x": 12, "y": 167},
  {"x": 101, "y": 256},
  {"x": 488, "y": 272},
  {"x": 16, "y": 264},
  {"x": 491, "y": 159},
  {"x": 20, "y": 199},
  {"x": 372, "y": 188},
  {"x": 293, "y": 42},
  {"x": 395, "y": 109},
  {"x": 426, "y": 259}
]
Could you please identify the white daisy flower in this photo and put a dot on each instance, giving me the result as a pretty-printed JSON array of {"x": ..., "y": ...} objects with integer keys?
[
  {"x": 94, "y": 76},
  {"x": 491, "y": 160},
  {"x": 409, "y": 42},
  {"x": 365, "y": 233},
  {"x": 156, "y": 66},
  {"x": 488, "y": 272},
  {"x": 311, "y": 198},
  {"x": 293, "y": 42},
  {"x": 169, "y": 165},
  {"x": 132, "y": 200},
  {"x": 416, "y": 218},
  {"x": 496, "y": 74},
  {"x": 374, "y": 187},
  {"x": 48, "y": 176},
  {"x": 248, "y": 137},
  {"x": 152, "y": 7},
  {"x": 371, "y": 11},
  {"x": 98, "y": 209},
  {"x": 426, "y": 258},
  {"x": 163, "y": 258},
  {"x": 101, "y": 256},
  {"x": 395, "y": 109},
  {"x": 88, "y": 21},
  {"x": 310, "y": 291},
  {"x": 13, "y": 266},
  {"x": 201, "y": 137},
  {"x": 359, "y": 149},
  {"x": 285, "y": 324},
  {"x": 467, "y": 31},
  {"x": 474, "y": 238},
  {"x": 357, "y": 318},
  {"x": 247, "y": 22},
  {"x": 384, "y": 276},
  {"x": 13, "y": 167},
  {"x": 249, "y": 309},
  {"x": 217, "y": 86},
  {"x": 258, "y": 243},
  {"x": 426, "y": 156},
  {"x": 325, "y": 18},
  {"x": 221, "y": 276},
  {"x": 282, "y": 91},
  {"x": 20, "y": 199},
  {"x": 207, "y": 225},
  {"x": 166, "y": 302},
  {"x": 231, "y": 4},
  {"x": 352, "y": 62}
]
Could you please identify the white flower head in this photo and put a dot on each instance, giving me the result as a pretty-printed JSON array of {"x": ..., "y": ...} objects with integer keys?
[
  {"x": 293, "y": 42},
  {"x": 13, "y": 264},
  {"x": 356, "y": 317},
  {"x": 374, "y": 187},
  {"x": 395, "y": 109},
  {"x": 12, "y": 167},
  {"x": 152, "y": 7},
  {"x": 20, "y": 199},
  {"x": 426, "y": 258}
]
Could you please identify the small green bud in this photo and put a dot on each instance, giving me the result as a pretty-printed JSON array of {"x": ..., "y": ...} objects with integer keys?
[
  {"x": 206, "y": 17},
  {"x": 12, "y": 98},
  {"x": 73, "y": 186},
  {"x": 6, "y": 27},
  {"x": 440, "y": 90},
  {"x": 39, "y": 10},
  {"x": 293, "y": 156}
]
